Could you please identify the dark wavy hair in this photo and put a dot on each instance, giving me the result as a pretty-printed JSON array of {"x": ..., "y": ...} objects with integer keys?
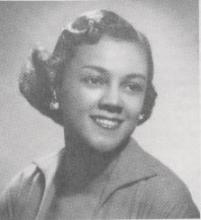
[{"x": 44, "y": 71}]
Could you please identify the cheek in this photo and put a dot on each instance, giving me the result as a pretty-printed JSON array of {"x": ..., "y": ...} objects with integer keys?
[
  {"x": 90, "y": 97},
  {"x": 133, "y": 106},
  {"x": 79, "y": 100}
]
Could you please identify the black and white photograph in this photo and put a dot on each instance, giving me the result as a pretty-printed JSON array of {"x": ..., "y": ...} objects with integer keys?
[{"x": 99, "y": 110}]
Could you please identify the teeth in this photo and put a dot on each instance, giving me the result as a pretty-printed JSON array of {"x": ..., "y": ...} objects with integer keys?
[{"x": 106, "y": 123}]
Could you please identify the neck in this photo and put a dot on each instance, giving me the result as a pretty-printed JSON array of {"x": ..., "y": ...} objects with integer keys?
[{"x": 83, "y": 166}]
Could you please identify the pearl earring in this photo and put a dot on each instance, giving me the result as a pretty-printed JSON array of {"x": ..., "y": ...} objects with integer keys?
[
  {"x": 54, "y": 104},
  {"x": 140, "y": 117}
]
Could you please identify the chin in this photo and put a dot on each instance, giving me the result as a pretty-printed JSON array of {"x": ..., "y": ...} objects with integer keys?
[{"x": 104, "y": 145}]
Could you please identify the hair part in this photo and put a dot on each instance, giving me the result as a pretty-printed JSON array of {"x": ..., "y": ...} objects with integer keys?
[{"x": 44, "y": 72}]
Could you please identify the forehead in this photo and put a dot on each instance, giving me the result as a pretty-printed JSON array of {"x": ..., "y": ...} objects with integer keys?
[{"x": 113, "y": 55}]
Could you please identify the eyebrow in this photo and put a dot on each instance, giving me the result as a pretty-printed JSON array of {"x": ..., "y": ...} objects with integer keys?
[
  {"x": 136, "y": 75},
  {"x": 104, "y": 71},
  {"x": 96, "y": 68}
]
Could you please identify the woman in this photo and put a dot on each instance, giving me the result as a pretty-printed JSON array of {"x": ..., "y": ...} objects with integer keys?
[{"x": 97, "y": 84}]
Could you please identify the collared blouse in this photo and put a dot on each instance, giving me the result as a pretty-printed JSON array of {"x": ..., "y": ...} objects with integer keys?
[{"x": 140, "y": 187}]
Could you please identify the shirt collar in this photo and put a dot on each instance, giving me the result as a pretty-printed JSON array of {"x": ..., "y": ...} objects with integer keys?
[
  {"x": 132, "y": 166},
  {"x": 48, "y": 165}
]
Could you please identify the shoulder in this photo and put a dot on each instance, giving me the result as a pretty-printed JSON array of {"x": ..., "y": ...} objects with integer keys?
[
  {"x": 26, "y": 188},
  {"x": 15, "y": 197},
  {"x": 166, "y": 193},
  {"x": 39, "y": 171},
  {"x": 23, "y": 180}
]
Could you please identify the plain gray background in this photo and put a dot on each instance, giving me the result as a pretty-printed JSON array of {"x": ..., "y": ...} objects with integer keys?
[{"x": 172, "y": 133}]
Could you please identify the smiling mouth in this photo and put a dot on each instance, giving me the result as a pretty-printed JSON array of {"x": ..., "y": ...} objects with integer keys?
[{"x": 107, "y": 123}]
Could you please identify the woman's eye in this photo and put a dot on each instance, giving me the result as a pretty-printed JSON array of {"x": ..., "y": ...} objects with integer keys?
[
  {"x": 94, "y": 81},
  {"x": 134, "y": 87}
]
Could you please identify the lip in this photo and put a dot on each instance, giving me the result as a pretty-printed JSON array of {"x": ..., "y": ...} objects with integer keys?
[{"x": 109, "y": 123}]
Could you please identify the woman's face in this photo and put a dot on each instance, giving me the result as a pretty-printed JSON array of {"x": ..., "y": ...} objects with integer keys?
[{"x": 102, "y": 93}]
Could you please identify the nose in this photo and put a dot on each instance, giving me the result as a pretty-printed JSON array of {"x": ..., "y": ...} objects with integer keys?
[{"x": 111, "y": 100}]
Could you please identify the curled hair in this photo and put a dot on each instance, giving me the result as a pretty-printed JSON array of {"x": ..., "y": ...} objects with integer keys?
[{"x": 44, "y": 71}]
